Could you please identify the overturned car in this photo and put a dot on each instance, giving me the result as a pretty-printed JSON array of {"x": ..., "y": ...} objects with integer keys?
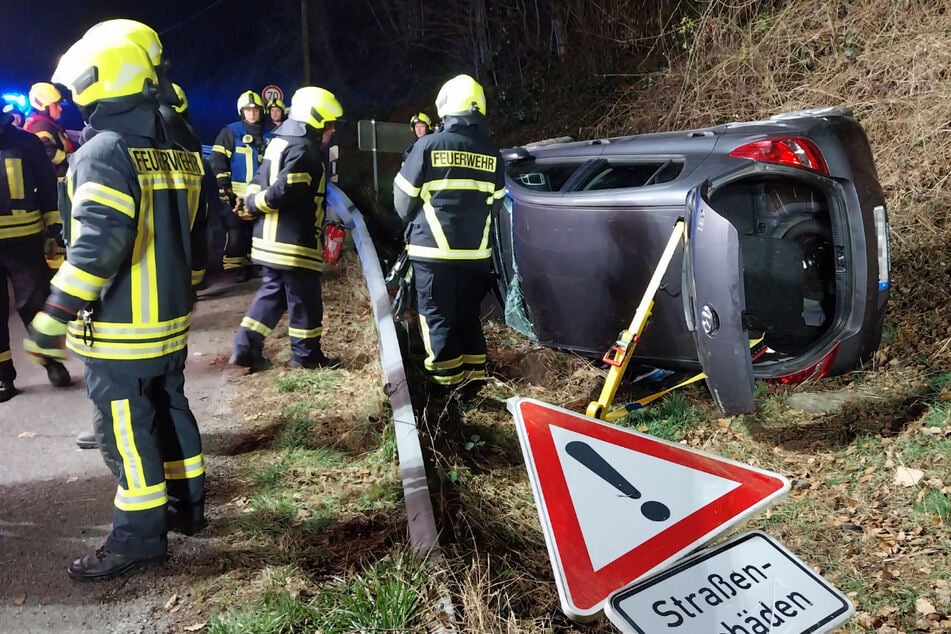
[{"x": 787, "y": 245}]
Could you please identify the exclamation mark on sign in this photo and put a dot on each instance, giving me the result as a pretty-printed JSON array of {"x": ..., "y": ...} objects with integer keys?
[{"x": 586, "y": 455}]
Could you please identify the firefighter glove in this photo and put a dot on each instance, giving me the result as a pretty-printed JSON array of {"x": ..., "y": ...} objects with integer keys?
[
  {"x": 245, "y": 209},
  {"x": 226, "y": 195},
  {"x": 45, "y": 339}
]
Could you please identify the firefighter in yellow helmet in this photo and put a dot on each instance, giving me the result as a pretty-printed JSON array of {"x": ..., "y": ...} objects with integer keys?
[
  {"x": 285, "y": 204},
  {"x": 27, "y": 211},
  {"x": 277, "y": 113},
  {"x": 123, "y": 299},
  {"x": 170, "y": 99},
  {"x": 175, "y": 123},
  {"x": 445, "y": 193},
  {"x": 46, "y": 101},
  {"x": 235, "y": 156},
  {"x": 421, "y": 125}
]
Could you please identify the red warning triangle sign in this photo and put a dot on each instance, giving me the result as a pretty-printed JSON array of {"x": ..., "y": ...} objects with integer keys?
[{"x": 616, "y": 505}]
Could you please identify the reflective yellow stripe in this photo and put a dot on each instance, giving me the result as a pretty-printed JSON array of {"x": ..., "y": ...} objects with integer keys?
[
  {"x": 285, "y": 260},
  {"x": 473, "y": 359},
  {"x": 298, "y": 177},
  {"x": 255, "y": 326},
  {"x": 6, "y": 356},
  {"x": 185, "y": 469},
  {"x": 435, "y": 227},
  {"x": 107, "y": 330},
  {"x": 220, "y": 149},
  {"x": 275, "y": 148},
  {"x": 249, "y": 166},
  {"x": 459, "y": 184},
  {"x": 112, "y": 198},
  {"x": 125, "y": 444},
  {"x": 125, "y": 351},
  {"x": 51, "y": 218},
  {"x": 301, "y": 333},
  {"x": 14, "y": 169},
  {"x": 405, "y": 186},
  {"x": 144, "y": 272},
  {"x": 141, "y": 498},
  {"x": 451, "y": 379},
  {"x": 46, "y": 325},
  {"x": 197, "y": 277},
  {"x": 435, "y": 253},
  {"x": 21, "y": 224},
  {"x": 260, "y": 203},
  {"x": 239, "y": 188},
  {"x": 499, "y": 194},
  {"x": 287, "y": 248},
  {"x": 450, "y": 364},
  {"x": 78, "y": 283}
]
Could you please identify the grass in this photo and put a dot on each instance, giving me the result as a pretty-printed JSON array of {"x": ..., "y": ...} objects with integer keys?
[
  {"x": 670, "y": 418},
  {"x": 385, "y": 596}
]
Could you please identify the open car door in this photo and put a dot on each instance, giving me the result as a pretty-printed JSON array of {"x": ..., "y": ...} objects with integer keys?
[{"x": 714, "y": 303}]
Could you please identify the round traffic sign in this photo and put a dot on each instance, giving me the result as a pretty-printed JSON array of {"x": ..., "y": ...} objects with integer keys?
[{"x": 272, "y": 92}]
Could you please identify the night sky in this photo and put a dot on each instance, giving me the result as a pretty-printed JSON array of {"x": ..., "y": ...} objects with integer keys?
[{"x": 217, "y": 48}]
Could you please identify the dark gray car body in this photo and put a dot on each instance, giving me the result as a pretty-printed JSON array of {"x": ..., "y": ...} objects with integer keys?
[{"x": 584, "y": 224}]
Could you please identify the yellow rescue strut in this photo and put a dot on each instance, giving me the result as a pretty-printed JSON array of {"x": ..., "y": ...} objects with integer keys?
[{"x": 619, "y": 355}]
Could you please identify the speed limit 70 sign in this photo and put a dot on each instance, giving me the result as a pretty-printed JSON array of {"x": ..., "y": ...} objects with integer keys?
[{"x": 272, "y": 92}]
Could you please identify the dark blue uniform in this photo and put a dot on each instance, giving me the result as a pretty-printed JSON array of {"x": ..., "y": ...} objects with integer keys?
[
  {"x": 445, "y": 192},
  {"x": 136, "y": 246},
  {"x": 288, "y": 192},
  {"x": 235, "y": 156},
  {"x": 27, "y": 211}
]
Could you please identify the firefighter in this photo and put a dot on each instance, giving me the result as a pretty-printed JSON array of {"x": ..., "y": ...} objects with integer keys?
[
  {"x": 421, "y": 125},
  {"x": 123, "y": 299},
  {"x": 27, "y": 212},
  {"x": 286, "y": 203},
  {"x": 46, "y": 101},
  {"x": 171, "y": 100},
  {"x": 445, "y": 192},
  {"x": 277, "y": 113},
  {"x": 235, "y": 156}
]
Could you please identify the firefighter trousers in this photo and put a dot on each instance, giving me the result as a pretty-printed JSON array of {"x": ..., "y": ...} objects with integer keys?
[
  {"x": 23, "y": 264},
  {"x": 151, "y": 439},
  {"x": 237, "y": 252},
  {"x": 296, "y": 291},
  {"x": 449, "y": 296}
]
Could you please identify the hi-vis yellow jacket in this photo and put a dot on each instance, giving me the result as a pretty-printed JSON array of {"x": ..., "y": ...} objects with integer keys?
[
  {"x": 446, "y": 190},
  {"x": 135, "y": 247}
]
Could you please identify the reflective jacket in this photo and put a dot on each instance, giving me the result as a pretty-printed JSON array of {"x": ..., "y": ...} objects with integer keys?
[
  {"x": 446, "y": 189},
  {"x": 53, "y": 136},
  {"x": 27, "y": 186},
  {"x": 237, "y": 154},
  {"x": 136, "y": 243},
  {"x": 288, "y": 190}
]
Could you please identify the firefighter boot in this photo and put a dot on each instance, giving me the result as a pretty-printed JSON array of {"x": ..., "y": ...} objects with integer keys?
[
  {"x": 255, "y": 362},
  {"x": 7, "y": 391},
  {"x": 87, "y": 440},
  {"x": 58, "y": 375},
  {"x": 105, "y": 564}
]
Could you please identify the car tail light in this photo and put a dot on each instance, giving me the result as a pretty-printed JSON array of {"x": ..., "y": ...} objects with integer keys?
[
  {"x": 787, "y": 150},
  {"x": 817, "y": 370}
]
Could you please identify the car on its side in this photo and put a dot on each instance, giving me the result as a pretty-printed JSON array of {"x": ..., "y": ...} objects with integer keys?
[{"x": 787, "y": 244}]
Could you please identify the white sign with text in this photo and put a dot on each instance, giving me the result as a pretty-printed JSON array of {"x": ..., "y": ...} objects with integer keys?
[{"x": 749, "y": 585}]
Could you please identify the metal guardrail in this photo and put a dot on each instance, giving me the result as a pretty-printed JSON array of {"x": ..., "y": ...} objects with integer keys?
[{"x": 419, "y": 508}]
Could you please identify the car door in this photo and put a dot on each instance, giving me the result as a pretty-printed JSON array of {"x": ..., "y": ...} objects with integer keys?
[{"x": 715, "y": 301}]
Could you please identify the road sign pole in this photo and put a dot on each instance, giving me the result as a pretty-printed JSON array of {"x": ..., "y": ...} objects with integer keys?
[{"x": 376, "y": 180}]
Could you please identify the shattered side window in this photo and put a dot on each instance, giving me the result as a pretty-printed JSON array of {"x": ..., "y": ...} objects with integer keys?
[{"x": 542, "y": 177}]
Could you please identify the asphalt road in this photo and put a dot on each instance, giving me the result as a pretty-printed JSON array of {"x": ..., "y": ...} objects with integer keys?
[{"x": 56, "y": 499}]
